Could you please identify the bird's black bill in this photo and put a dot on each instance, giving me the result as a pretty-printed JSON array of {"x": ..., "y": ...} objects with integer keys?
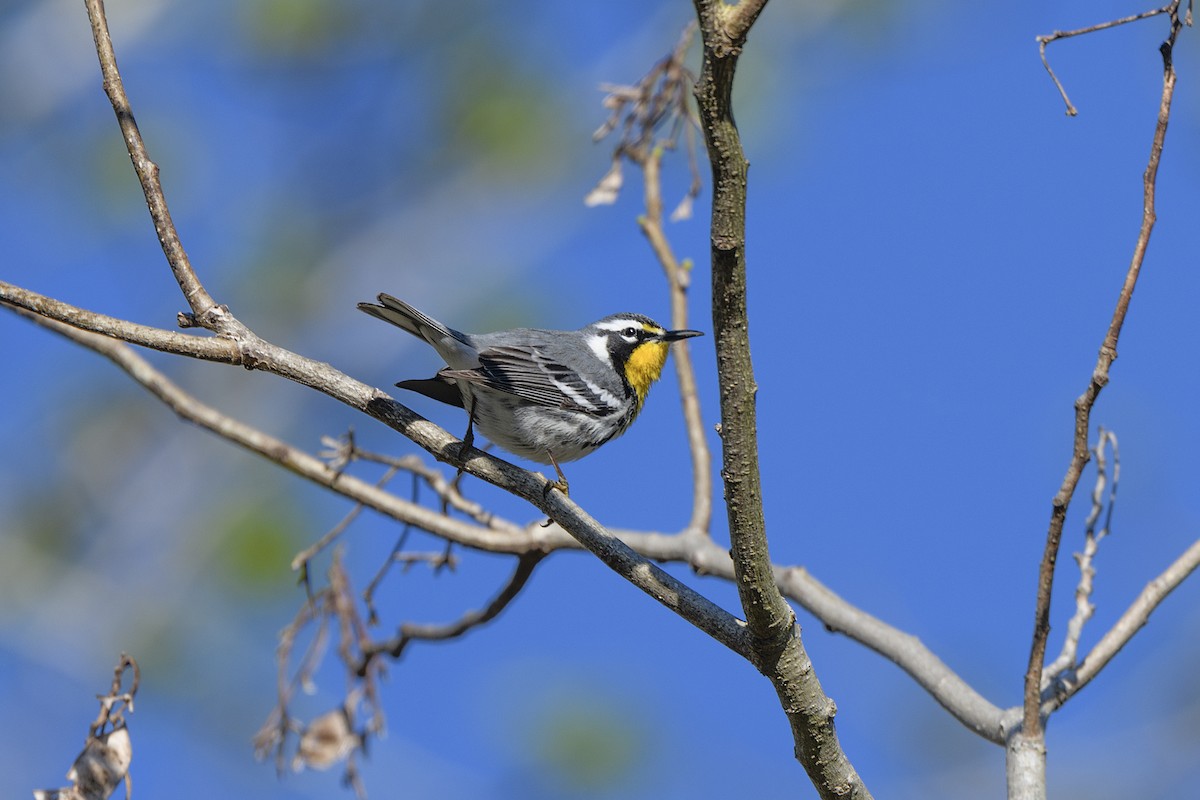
[{"x": 675, "y": 336}]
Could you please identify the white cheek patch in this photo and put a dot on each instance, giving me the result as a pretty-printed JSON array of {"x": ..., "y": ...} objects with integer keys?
[{"x": 599, "y": 345}]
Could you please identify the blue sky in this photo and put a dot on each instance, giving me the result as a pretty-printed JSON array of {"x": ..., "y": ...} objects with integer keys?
[{"x": 934, "y": 254}]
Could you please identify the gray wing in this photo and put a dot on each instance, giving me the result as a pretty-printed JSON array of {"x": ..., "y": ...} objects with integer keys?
[{"x": 529, "y": 373}]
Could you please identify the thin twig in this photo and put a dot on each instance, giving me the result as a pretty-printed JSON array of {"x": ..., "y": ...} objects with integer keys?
[
  {"x": 661, "y": 99},
  {"x": 1134, "y": 618},
  {"x": 108, "y": 748},
  {"x": 1083, "y": 405},
  {"x": 1084, "y": 559},
  {"x": 1054, "y": 37},
  {"x": 448, "y": 491},
  {"x": 386, "y": 566},
  {"x": 301, "y": 559},
  {"x": 678, "y": 280},
  {"x": 333, "y": 736},
  {"x": 411, "y": 631},
  {"x": 198, "y": 298}
]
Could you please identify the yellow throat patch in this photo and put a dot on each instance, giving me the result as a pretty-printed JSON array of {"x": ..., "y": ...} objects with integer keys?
[{"x": 644, "y": 366}]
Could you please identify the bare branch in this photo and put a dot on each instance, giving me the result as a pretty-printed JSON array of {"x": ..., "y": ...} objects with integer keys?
[
  {"x": 207, "y": 348},
  {"x": 668, "y": 590},
  {"x": 778, "y": 651},
  {"x": 679, "y": 278},
  {"x": 294, "y": 459},
  {"x": 1085, "y": 402},
  {"x": 411, "y": 631},
  {"x": 448, "y": 491},
  {"x": 661, "y": 99},
  {"x": 198, "y": 298},
  {"x": 1054, "y": 37},
  {"x": 332, "y": 737},
  {"x": 1134, "y": 618},
  {"x": 300, "y": 560},
  {"x": 1092, "y": 537}
]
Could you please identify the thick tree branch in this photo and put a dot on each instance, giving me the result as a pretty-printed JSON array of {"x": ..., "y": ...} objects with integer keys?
[
  {"x": 769, "y": 617},
  {"x": 775, "y": 636},
  {"x": 1085, "y": 402}
]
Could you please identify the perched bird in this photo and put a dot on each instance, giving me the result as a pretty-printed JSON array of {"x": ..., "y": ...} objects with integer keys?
[{"x": 548, "y": 396}]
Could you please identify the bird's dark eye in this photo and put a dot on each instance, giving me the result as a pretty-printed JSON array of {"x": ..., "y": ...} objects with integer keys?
[{"x": 629, "y": 333}]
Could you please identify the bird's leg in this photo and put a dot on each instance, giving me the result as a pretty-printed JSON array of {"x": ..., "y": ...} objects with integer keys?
[
  {"x": 560, "y": 484},
  {"x": 468, "y": 439}
]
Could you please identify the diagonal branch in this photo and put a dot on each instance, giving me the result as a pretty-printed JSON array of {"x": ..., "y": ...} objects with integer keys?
[
  {"x": 665, "y": 588},
  {"x": 1032, "y": 723},
  {"x": 256, "y": 353},
  {"x": 198, "y": 298}
]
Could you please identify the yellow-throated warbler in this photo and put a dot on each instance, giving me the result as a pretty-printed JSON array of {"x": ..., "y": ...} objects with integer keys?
[{"x": 548, "y": 396}]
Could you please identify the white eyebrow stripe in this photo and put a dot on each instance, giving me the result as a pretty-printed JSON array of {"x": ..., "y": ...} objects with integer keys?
[
  {"x": 619, "y": 324},
  {"x": 599, "y": 346}
]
